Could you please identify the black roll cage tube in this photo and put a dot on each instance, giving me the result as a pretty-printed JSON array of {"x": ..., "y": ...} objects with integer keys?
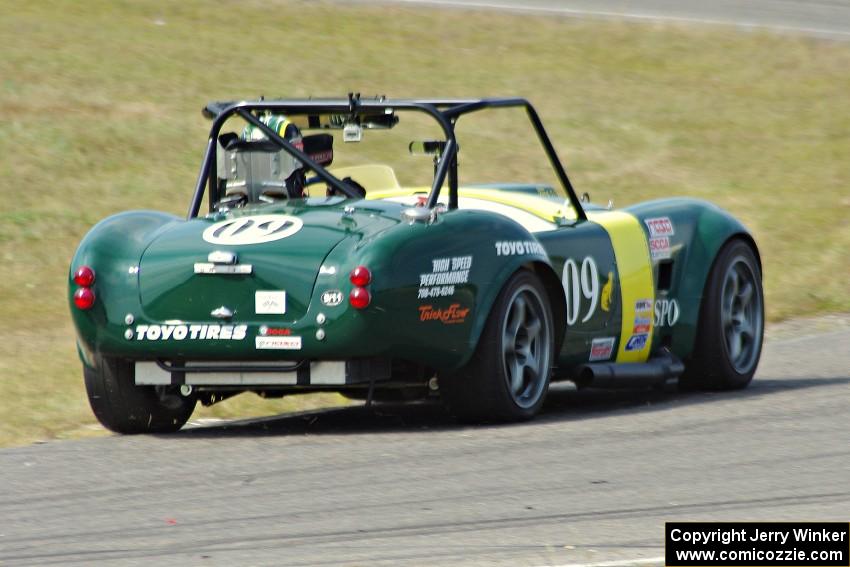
[{"x": 445, "y": 111}]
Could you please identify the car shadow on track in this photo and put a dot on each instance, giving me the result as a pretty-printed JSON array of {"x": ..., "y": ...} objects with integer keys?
[{"x": 562, "y": 404}]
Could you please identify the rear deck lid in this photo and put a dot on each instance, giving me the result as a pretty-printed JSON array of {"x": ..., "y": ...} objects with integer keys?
[{"x": 260, "y": 267}]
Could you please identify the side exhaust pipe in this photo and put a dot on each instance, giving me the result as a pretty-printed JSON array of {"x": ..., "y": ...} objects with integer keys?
[{"x": 656, "y": 370}]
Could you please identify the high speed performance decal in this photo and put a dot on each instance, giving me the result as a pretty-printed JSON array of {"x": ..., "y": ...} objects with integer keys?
[
  {"x": 634, "y": 268},
  {"x": 190, "y": 332}
]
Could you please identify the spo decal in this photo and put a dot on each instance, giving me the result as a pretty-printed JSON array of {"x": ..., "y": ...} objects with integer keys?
[
  {"x": 190, "y": 332},
  {"x": 254, "y": 229},
  {"x": 580, "y": 283},
  {"x": 270, "y": 302},
  {"x": 451, "y": 315},
  {"x": 331, "y": 297},
  {"x": 519, "y": 247},
  {"x": 601, "y": 349},
  {"x": 666, "y": 312},
  {"x": 660, "y": 226}
]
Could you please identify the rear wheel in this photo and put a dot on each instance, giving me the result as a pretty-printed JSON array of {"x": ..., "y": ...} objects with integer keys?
[
  {"x": 123, "y": 407},
  {"x": 731, "y": 324},
  {"x": 508, "y": 376}
]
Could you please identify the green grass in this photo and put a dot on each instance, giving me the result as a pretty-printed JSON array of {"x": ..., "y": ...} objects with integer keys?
[{"x": 100, "y": 112}]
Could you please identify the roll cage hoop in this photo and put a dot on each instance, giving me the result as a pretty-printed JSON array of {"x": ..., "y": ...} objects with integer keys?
[{"x": 445, "y": 111}]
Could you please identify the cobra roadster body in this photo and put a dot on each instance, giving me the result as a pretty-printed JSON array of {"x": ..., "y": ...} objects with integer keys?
[{"x": 305, "y": 277}]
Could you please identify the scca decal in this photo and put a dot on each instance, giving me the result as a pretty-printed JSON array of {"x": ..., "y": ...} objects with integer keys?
[
  {"x": 190, "y": 332},
  {"x": 255, "y": 229}
]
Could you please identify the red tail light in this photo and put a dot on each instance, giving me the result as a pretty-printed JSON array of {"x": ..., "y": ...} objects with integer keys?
[
  {"x": 84, "y": 276},
  {"x": 360, "y": 276},
  {"x": 360, "y": 298},
  {"x": 84, "y": 298}
]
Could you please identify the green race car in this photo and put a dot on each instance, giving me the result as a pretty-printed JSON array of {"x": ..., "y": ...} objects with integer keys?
[{"x": 315, "y": 268}]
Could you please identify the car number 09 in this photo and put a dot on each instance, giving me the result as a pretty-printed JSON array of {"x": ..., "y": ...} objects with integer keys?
[{"x": 580, "y": 283}]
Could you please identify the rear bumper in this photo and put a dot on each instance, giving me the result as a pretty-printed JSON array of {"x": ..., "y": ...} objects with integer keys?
[{"x": 260, "y": 375}]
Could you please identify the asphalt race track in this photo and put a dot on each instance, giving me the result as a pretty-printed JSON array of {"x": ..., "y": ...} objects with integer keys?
[
  {"x": 819, "y": 18},
  {"x": 591, "y": 481}
]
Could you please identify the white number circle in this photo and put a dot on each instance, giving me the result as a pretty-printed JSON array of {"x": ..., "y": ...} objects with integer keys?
[{"x": 255, "y": 229}]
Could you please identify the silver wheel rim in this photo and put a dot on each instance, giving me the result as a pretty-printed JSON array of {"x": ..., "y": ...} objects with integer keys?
[
  {"x": 526, "y": 347},
  {"x": 741, "y": 315}
]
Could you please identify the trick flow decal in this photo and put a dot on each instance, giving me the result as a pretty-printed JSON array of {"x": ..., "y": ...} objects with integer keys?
[
  {"x": 190, "y": 332},
  {"x": 255, "y": 229},
  {"x": 451, "y": 315},
  {"x": 580, "y": 283},
  {"x": 445, "y": 274},
  {"x": 519, "y": 247}
]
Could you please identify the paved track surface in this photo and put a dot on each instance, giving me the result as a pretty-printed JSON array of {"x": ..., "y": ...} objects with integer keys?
[
  {"x": 821, "y": 18},
  {"x": 593, "y": 479}
]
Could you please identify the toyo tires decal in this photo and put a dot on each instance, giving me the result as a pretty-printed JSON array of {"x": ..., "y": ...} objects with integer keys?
[{"x": 255, "y": 229}]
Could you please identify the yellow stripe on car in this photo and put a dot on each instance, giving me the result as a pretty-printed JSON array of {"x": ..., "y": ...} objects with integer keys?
[{"x": 631, "y": 253}]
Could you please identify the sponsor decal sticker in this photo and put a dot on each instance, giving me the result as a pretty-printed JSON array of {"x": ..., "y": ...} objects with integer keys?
[
  {"x": 451, "y": 315},
  {"x": 190, "y": 332},
  {"x": 275, "y": 331},
  {"x": 601, "y": 349},
  {"x": 666, "y": 312},
  {"x": 660, "y": 226},
  {"x": 519, "y": 248},
  {"x": 255, "y": 229},
  {"x": 580, "y": 284},
  {"x": 659, "y": 247},
  {"x": 643, "y": 305},
  {"x": 607, "y": 293},
  {"x": 642, "y": 325},
  {"x": 327, "y": 270},
  {"x": 270, "y": 302},
  {"x": 445, "y": 274},
  {"x": 278, "y": 343},
  {"x": 331, "y": 297},
  {"x": 637, "y": 342}
]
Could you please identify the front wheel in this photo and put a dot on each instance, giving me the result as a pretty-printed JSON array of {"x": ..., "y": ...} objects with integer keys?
[
  {"x": 123, "y": 407},
  {"x": 731, "y": 324},
  {"x": 508, "y": 376}
]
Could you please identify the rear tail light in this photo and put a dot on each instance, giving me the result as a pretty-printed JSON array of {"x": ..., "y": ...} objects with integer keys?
[
  {"x": 360, "y": 298},
  {"x": 360, "y": 276},
  {"x": 84, "y": 276},
  {"x": 84, "y": 298}
]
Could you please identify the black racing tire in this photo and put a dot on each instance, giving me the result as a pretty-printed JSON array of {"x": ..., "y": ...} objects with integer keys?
[
  {"x": 731, "y": 323},
  {"x": 123, "y": 407},
  {"x": 507, "y": 378}
]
